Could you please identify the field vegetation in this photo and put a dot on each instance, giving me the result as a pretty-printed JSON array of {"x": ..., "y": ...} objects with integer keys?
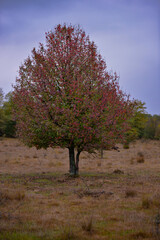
[{"x": 114, "y": 198}]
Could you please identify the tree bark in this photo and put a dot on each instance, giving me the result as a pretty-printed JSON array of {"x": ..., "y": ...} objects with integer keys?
[
  {"x": 72, "y": 169},
  {"x": 74, "y": 163},
  {"x": 77, "y": 162}
]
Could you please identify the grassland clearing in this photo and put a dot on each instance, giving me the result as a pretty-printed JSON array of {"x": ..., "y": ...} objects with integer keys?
[{"x": 114, "y": 198}]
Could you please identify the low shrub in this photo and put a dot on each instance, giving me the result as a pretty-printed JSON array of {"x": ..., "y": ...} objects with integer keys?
[
  {"x": 87, "y": 225},
  {"x": 130, "y": 193},
  {"x": 140, "y": 157}
]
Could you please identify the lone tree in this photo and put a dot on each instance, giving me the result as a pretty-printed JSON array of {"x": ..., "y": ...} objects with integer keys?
[{"x": 65, "y": 97}]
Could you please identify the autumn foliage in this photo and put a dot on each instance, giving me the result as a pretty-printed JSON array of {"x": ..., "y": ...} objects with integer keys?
[{"x": 65, "y": 97}]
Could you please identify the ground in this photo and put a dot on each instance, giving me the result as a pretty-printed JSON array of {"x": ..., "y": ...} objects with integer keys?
[{"x": 114, "y": 198}]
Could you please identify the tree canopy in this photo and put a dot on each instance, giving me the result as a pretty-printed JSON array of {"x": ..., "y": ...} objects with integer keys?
[{"x": 64, "y": 96}]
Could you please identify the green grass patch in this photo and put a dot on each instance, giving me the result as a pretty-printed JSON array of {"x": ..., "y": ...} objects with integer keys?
[
  {"x": 19, "y": 236},
  {"x": 4, "y": 177},
  {"x": 43, "y": 181}
]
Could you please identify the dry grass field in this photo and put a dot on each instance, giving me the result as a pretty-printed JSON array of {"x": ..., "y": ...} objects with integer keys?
[{"x": 114, "y": 198}]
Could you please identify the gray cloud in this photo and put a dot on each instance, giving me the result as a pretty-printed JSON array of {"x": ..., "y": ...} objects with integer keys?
[{"x": 126, "y": 33}]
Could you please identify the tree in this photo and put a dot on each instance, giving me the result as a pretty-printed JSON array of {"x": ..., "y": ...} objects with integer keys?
[
  {"x": 1, "y": 97},
  {"x": 137, "y": 123},
  {"x": 1, "y": 113},
  {"x": 7, "y": 124},
  {"x": 10, "y": 124},
  {"x": 152, "y": 128},
  {"x": 65, "y": 97}
]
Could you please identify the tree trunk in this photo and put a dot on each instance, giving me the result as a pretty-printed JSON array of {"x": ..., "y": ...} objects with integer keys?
[
  {"x": 72, "y": 169},
  {"x": 77, "y": 163}
]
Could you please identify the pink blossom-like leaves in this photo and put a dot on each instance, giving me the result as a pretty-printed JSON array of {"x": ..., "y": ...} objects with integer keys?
[{"x": 64, "y": 95}]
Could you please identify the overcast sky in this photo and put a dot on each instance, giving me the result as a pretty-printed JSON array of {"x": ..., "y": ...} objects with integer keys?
[{"x": 126, "y": 32}]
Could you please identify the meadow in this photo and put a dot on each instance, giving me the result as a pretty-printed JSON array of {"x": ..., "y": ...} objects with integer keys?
[{"x": 114, "y": 198}]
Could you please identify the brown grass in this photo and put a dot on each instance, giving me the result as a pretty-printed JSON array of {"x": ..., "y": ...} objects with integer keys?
[
  {"x": 12, "y": 195},
  {"x": 87, "y": 225},
  {"x": 130, "y": 193},
  {"x": 117, "y": 199},
  {"x": 140, "y": 157},
  {"x": 146, "y": 203}
]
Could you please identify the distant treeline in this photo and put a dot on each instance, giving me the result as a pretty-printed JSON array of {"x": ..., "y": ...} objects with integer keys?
[
  {"x": 142, "y": 125},
  {"x": 152, "y": 127},
  {"x": 7, "y": 124}
]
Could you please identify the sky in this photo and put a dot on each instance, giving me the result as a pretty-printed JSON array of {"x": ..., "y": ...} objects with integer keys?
[{"x": 126, "y": 32}]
